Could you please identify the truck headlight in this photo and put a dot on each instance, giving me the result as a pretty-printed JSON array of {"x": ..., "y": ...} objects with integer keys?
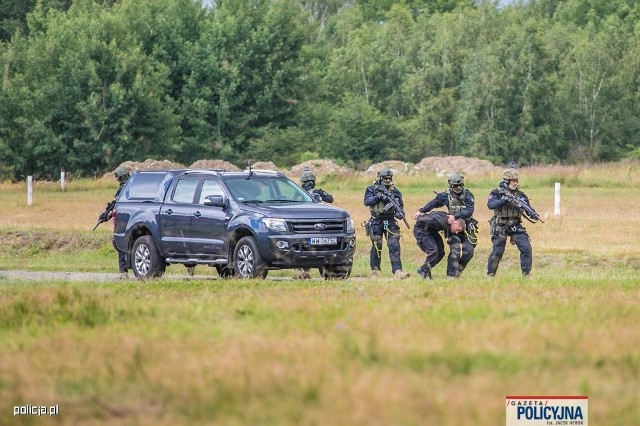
[
  {"x": 275, "y": 224},
  {"x": 350, "y": 227}
]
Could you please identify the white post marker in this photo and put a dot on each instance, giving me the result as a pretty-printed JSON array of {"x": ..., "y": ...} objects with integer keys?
[
  {"x": 29, "y": 190},
  {"x": 556, "y": 207},
  {"x": 62, "y": 180}
]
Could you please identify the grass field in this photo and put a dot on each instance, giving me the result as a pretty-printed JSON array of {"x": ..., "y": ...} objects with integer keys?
[{"x": 354, "y": 352}]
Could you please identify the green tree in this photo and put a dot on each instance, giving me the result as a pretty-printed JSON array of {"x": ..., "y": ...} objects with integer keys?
[
  {"x": 244, "y": 77},
  {"x": 587, "y": 92},
  {"x": 83, "y": 96}
]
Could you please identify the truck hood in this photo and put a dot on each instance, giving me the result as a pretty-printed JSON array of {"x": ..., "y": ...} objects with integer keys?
[{"x": 298, "y": 211}]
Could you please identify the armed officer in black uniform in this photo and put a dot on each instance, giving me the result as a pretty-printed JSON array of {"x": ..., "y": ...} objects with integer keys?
[
  {"x": 381, "y": 197},
  {"x": 308, "y": 180},
  {"x": 507, "y": 222},
  {"x": 122, "y": 176},
  {"x": 460, "y": 204}
]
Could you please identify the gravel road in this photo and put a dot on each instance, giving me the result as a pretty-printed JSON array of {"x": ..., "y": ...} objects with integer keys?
[{"x": 44, "y": 276}]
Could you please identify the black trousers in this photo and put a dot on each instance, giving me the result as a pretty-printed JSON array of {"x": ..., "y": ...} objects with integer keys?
[
  {"x": 460, "y": 253},
  {"x": 433, "y": 246},
  {"x": 390, "y": 230},
  {"x": 521, "y": 240},
  {"x": 122, "y": 259}
]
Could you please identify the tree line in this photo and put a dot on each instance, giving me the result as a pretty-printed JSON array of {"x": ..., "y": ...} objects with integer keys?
[{"x": 87, "y": 84}]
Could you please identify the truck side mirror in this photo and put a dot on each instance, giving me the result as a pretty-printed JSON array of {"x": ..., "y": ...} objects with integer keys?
[{"x": 215, "y": 200}]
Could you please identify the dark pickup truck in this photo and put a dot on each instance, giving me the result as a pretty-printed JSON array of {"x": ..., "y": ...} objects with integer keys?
[{"x": 242, "y": 223}]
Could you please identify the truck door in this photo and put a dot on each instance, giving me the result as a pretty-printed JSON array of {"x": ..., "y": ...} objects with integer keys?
[
  {"x": 208, "y": 224},
  {"x": 175, "y": 217}
]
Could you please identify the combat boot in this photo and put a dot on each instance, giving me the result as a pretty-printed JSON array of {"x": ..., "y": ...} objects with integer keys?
[
  {"x": 424, "y": 272},
  {"x": 301, "y": 274},
  {"x": 400, "y": 275}
]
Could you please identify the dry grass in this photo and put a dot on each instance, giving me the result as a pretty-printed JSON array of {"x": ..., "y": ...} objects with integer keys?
[
  {"x": 279, "y": 353},
  {"x": 381, "y": 352}
]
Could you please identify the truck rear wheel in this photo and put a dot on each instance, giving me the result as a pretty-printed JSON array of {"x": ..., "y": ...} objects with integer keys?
[
  {"x": 336, "y": 272},
  {"x": 145, "y": 259},
  {"x": 247, "y": 260}
]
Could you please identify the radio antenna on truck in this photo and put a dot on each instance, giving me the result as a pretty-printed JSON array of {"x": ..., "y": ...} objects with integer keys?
[{"x": 249, "y": 163}]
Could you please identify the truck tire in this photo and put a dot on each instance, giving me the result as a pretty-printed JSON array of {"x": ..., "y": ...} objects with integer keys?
[
  {"x": 145, "y": 259},
  {"x": 247, "y": 260},
  {"x": 335, "y": 272}
]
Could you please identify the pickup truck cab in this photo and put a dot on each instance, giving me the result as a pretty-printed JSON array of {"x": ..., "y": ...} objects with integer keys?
[{"x": 242, "y": 223}]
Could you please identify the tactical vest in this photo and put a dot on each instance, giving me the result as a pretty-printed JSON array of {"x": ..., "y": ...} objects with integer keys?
[
  {"x": 508, "y": 213},
  {"x": 378, "y": 208},
  {"x": 456, "y": 202}
]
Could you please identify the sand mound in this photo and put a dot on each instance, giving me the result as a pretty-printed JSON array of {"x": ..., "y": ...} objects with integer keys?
[
  {"x": 147, "y": 164},
  {"x": 397, "y": 167},
  {"x": 440, "y": 166},
  {"x": 215, "y": 164},
  {"x": 444, "y": 166},
  {"x": 319, "y": 168},
  {"x": 264, "y": 165}
]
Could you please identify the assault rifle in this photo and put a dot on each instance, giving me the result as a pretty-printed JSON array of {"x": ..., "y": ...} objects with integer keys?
[
  {"x": 530, "y": 214},
  {"x": 391, "y": 203},
  {"x": 106, "y": 214}
]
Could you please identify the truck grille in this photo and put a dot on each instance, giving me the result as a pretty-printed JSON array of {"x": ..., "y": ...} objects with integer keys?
[{"x": 317, "y": 226}]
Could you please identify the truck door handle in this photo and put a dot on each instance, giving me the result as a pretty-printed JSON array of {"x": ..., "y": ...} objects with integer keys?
[
  {"x": 168, "y": 211},
  {"x": 197, "y": 214}
]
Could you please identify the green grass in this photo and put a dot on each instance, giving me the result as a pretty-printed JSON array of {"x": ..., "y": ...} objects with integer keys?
[{"x": 315, "y": 352}]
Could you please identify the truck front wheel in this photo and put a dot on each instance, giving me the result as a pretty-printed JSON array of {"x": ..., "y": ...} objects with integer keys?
[
  {"x": 145, "y": 259},
  {"x": 247, "y": 260}
]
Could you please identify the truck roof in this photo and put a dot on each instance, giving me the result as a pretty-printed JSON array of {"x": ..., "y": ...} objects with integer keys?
[{"x": 153, "y": 184}]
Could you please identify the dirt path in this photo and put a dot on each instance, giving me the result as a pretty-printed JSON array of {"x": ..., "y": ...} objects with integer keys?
[
  {"x": 48, "y": 276},
  {"x": 45, "y": 276}
]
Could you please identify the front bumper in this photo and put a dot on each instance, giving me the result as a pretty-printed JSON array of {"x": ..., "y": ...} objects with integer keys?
[{"x": 296, "y": 251}]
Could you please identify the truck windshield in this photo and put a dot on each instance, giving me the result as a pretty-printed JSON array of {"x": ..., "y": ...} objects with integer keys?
[{"x": 267, "y": 190}]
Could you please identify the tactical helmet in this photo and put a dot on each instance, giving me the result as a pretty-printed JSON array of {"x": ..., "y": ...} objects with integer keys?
[
  {"x": 385, "y": 172},
  {"x": 307, "y": 175},
  {"x": 385, "y": 176},
  {"x": 121, "y": 172},
  {"x": 510, "y": 173},
  {"x": 456, "y": 179}
]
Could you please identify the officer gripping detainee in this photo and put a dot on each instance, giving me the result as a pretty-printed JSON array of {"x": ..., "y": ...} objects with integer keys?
[
  {"x": 427, "y": 232},
  {"x": 460, "y": 204},
  {"x": 382, "y": 197},
  {"x": 507, "y": 222}
]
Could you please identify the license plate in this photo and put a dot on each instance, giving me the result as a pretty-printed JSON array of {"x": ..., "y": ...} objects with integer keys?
[{"x": 323, "y": 241}]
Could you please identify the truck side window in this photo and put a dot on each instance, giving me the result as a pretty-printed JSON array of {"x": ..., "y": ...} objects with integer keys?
[
  {"x": 185, "y": 191},
  {"x": 210, "y": 187}
]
